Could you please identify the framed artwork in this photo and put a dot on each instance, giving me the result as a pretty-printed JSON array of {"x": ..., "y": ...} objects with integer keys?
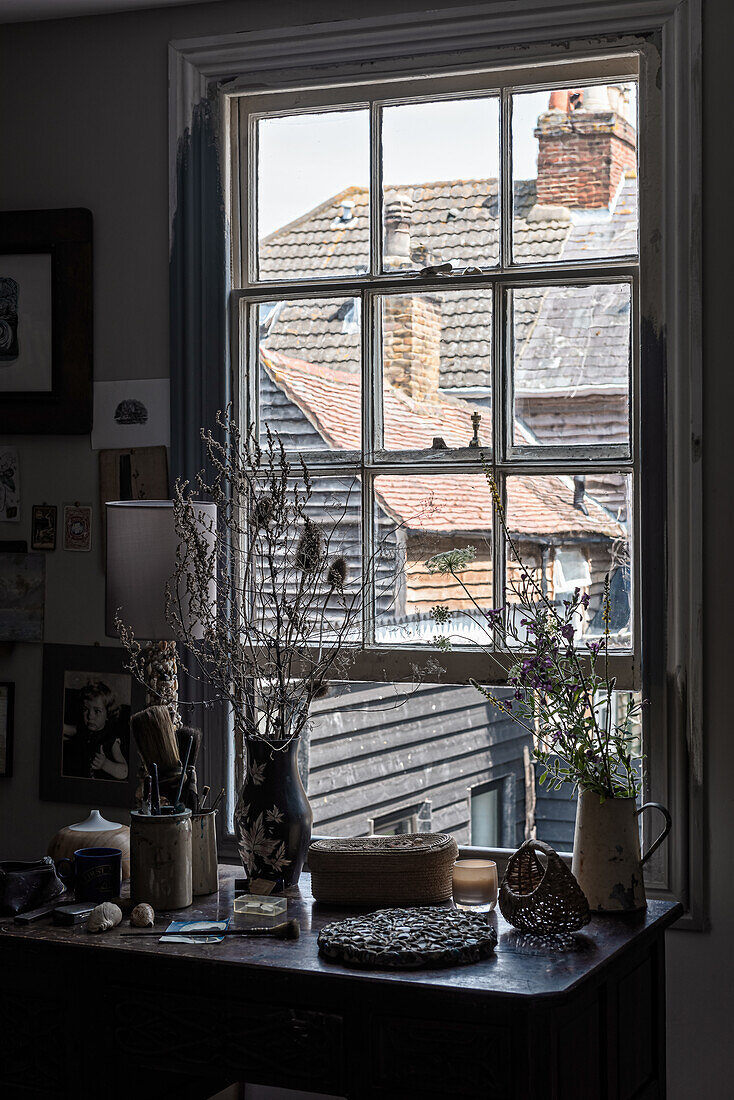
[
  {"x": 77, "y": 526},
  {"x": 7, "y": 697},
  {"x": 43, "y": 527},
  {"x": 86, "y": 751},
  {"x": 46, "y": 321},
  {"x": 22, "y": 596}
]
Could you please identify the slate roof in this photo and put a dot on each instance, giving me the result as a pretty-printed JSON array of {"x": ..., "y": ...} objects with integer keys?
[
  {"x": 457, "y": 221},
  {"x": 537, "y": 506}
]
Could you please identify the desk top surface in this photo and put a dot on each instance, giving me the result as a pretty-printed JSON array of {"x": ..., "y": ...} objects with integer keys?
[{"x": 522, "y": 965}]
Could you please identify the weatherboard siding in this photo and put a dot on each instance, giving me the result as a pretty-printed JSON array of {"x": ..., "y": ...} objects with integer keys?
[{"x": 370, "y": 758}]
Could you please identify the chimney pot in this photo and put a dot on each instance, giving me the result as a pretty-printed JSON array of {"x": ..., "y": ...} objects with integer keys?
[
  {"x": 346, "y": 210},
  {"x": 398, "y": 215}
]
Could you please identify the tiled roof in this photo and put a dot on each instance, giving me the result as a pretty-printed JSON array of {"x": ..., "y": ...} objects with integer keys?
[
  {"x": 537, "y": 506},
  {"x": 457, "y": 221}
]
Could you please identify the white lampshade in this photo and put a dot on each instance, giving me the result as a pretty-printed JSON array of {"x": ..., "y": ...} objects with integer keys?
[{"x": 141, "y": 560}]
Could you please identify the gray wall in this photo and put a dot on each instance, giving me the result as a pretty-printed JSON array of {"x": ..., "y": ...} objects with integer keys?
[{"x": 84, "y": 124}]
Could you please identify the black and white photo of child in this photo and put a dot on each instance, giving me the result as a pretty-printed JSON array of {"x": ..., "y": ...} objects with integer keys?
[{"x": 96, "y": 740}]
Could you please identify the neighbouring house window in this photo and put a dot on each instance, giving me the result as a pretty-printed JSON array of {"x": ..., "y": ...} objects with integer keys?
[
  {"x": 409, "y": 819},
  {"x": 439, "y": 275},
  {"x": 486, "y": 807}
]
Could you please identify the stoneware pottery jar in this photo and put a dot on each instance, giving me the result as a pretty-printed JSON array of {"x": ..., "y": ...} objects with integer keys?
[
  {"x": 94, "y": 832},
  {"x": 273, "y": 816},
  {"x": 160, "y": 859},
  {"x": 606, "y": 851},
  {"x": 204, "y": 871}
]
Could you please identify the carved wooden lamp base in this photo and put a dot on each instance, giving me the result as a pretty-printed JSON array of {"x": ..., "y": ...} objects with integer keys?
[{"x": 161, "y": 676}]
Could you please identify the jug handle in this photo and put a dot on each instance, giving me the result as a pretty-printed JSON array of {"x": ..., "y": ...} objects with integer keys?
[{"x": 666, "y": 829}]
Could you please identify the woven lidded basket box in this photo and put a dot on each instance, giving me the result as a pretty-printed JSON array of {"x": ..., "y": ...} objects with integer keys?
[{"x": 412, "y": 869}]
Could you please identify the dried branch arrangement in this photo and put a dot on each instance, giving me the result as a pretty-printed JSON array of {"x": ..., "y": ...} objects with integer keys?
[
  {"x": 268, "y": 599},
  {"x": 562, "y": 685}
]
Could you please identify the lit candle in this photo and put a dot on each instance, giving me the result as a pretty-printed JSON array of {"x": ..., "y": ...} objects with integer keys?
[{"x": 475, "y": 884}]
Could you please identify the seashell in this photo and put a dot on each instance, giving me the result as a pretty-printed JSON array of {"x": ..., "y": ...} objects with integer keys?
[
  {"x": 104, "y": 917},
  {"x": 142, "y": 916}
]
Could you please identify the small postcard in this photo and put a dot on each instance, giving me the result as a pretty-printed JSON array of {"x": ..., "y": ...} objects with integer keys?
[
  {"x": 43, "y": 527},
  {"x": 202, "y": 928},
  {"x": 78, "y": 526}
]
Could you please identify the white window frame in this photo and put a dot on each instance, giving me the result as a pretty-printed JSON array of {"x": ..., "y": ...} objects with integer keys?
[
  {"x": 207, "y": 79},
  {"x": 372, "y": 460}
]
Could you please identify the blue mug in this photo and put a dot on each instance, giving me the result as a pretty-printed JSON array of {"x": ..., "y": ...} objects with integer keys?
[{"x": 96, "y": 873}]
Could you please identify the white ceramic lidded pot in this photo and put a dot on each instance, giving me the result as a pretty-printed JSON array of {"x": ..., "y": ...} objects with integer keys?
[{"x": 94, "y": 832}]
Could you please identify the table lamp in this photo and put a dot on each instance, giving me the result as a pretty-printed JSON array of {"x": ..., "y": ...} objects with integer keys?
[{"x": 142, "y": 542}]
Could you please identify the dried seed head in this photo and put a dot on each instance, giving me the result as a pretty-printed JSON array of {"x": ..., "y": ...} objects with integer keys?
[
  {"x": 310, "y": 552},
  {"x": 337, "y": 573},
  {"x": 264, "y": 509}
]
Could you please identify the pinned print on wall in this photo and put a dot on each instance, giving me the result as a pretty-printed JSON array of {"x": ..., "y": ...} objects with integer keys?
[
  {"x": 22, "y": 596},
  {"x": 9, "y": 484},
  {"x": 77, "y": 526},
  {"x": 134, "y": 473},
  {"x": 131, "y": 414},
  {"x": 43, "y": 527}
]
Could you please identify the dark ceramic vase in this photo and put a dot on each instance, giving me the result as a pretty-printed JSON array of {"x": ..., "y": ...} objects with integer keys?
[{"x": 273, "y": 816}]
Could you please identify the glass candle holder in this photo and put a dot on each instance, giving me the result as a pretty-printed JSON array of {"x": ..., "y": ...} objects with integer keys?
[{"x": 475, "y": 884}]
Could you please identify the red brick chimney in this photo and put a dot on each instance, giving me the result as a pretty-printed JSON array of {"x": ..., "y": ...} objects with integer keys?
[
  {"x": 411, "y": 341},
  {"x": 411, "y": 344},
  {"x": 584, "y": 149}
]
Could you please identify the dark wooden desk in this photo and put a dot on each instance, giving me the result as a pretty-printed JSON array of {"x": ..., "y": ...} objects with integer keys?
[{"x": 97, "y": 1017}]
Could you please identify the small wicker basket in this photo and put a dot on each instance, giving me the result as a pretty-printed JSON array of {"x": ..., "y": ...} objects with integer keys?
[
  {"x": 542, "y": 895},
  {"x": 413, "y": 869}
]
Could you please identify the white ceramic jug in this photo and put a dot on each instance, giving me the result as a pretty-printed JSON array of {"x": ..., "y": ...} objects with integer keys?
[{"x": 606, "y": 851}]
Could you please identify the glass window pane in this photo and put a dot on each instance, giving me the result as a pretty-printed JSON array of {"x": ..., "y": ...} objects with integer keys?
[
  {"x": 308, "y": 561},
  {"x": 310, "y": 378},
  {"x": 313, "y": 194},
  {"x": 379, "y": 749},
  {"x": 436, "y": 368},
  {"x": 416, "y": 518},
  {"x": 574, "y": 155},
  {"x": 486, "y": 807},
  {"x": 571, "y": 364},
  {"x": 570, "y": 532},
  {"x": 440, "y": 171}
]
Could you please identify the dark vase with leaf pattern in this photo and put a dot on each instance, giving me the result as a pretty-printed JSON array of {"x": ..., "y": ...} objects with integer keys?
[{"x": 273, "y": 817}]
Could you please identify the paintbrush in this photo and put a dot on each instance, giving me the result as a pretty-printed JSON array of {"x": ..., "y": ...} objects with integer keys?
[
  {"x": 155, "y": 803},
  {"x": 155, "y": 736},
  {"x": 204, "y": 796},
  {"x": 216, "y": 801},
  {"x": 145, "y": 805},
  {"x": 288, "y": 930},
  {"x": 177, "y": 799}
]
